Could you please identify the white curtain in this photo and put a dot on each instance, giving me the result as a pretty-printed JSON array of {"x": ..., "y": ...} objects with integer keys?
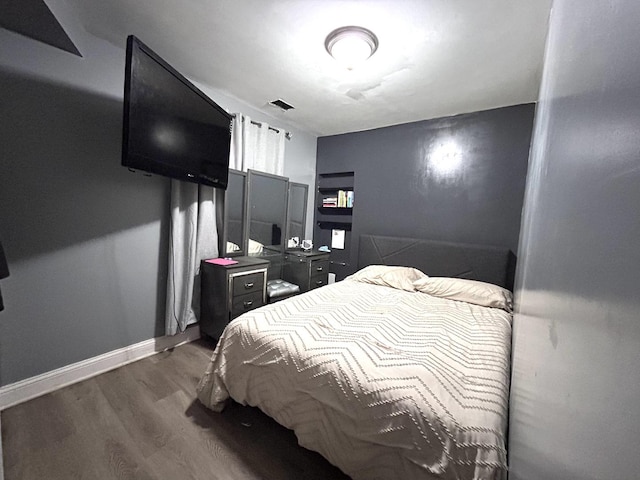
[
  {"x": 193, "y": 237},
  {"x": 193, "y": 231},
  {"x": 256, "y": 146}
]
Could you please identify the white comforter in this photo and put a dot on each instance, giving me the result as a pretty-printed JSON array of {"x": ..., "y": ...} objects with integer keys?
[{"x": 384, "y": 383}]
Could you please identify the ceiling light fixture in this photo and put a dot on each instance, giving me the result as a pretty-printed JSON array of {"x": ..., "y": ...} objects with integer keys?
[{"x": 351, "y": 45}]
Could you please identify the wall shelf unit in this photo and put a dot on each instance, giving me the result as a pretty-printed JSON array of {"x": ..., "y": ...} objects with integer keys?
[
  {"x": 338, "y": 225},
  {"x": 335, "y": 198},
  {"x": 336, "y": 210},
  {"x": 336, "y": 174},
  {"x": 329, "y": 190}
]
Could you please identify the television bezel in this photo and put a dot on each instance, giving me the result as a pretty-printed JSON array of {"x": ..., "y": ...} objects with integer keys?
[{"x": 133, "y": 161}]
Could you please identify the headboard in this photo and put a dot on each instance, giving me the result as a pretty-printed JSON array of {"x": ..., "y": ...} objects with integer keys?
[{"x": 441, "y": 259}]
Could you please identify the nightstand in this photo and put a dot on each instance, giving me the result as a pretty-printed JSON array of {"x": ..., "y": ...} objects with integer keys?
[
  {"x": 309, "y": 270},
  {"x": 228, "y": 291}
]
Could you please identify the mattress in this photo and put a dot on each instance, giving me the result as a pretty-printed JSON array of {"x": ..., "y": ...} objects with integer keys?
[{"x": 384, "y": 383}]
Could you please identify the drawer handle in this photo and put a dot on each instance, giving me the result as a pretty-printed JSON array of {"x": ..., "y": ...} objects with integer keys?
[
  {"x": 319, "y": 269},
  {"x": 319, "y": 282},
  {"x": 247, "y": 303},
  {"x": 248, "y": 285}
]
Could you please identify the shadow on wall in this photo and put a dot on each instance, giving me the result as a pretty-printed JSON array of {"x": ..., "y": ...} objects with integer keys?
[{"x": 61, "y": 179}]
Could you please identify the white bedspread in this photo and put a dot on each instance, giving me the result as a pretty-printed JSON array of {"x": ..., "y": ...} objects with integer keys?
[{"x": 384, "y": 383}]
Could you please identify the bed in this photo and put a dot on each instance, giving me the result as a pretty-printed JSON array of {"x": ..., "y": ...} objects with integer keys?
[{"x": 389, "y": 374}]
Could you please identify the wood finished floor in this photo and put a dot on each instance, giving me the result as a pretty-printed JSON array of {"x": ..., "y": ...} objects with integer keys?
[{"x": 142, "y": 421}]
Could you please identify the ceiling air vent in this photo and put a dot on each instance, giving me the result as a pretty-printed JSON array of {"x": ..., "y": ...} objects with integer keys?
[{"x": 281, "y": 104}]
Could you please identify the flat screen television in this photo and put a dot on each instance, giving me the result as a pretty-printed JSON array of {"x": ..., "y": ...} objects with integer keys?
[{"x": 170, "y": 127}]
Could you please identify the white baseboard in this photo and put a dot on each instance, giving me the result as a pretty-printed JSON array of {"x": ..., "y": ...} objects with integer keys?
[{"x": 33, "y": 387}]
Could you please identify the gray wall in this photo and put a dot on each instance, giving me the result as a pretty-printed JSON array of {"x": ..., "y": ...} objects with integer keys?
[
  {"x": 456, "y": 179},
  {"x": 86, "y": 240},
  {"x": 576, "y": 353},
  {"x": 300, "y": 150},
  {"x": 84, "y": 237}
]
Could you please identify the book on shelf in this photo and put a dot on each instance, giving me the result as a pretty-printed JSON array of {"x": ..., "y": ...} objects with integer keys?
[
  {"x": 330, "y": 202},
  {"x": 342, "y": 199},
  {"x": 349, "y": 200}
]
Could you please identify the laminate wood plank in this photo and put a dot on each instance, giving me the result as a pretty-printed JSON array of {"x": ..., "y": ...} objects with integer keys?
[
  {"x": 143, "y": 421},
  {"x": 151, "y": 376},
  {"x": 218, "y": 453},
  {"x": 37, "y": 426},
  {"x": 192, "y": 456},
  {"x": 185, "y": 365},
  {"x": 135, "y": 408},
  {"x": 66, "y": 458},
  {"x": 97, "y": 424},
  {"x": 33, "y": 426}
]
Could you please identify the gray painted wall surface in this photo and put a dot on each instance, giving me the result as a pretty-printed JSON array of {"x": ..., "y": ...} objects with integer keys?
[
  {"x": 576, "y": 352},
  {"x": 300, "y": 151},
  {"x": 456, "y": 179},
  {"x": 86, "y": 240}
]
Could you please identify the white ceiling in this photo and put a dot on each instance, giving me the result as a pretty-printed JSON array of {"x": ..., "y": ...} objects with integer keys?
[{"x": 436, "y": 57}]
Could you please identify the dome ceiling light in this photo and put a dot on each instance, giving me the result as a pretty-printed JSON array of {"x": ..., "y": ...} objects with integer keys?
[{"x": 351, "y": 45}]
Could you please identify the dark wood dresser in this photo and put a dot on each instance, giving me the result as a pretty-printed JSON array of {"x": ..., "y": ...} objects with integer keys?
[
  {"x": 228, "y": 291},
  {"x": 309, "y": 270}
]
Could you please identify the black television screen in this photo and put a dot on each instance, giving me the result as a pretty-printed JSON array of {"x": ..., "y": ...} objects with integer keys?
[{"x": 171, "y": 128}]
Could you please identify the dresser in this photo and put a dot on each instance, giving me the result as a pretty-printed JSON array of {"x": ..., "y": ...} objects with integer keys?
[
  {"x": 228, "y": 291},
  {"x": 309, "y": 270}
]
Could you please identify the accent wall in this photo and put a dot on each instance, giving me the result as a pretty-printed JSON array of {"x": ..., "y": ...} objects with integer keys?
[{"x": 456, "y": 179}]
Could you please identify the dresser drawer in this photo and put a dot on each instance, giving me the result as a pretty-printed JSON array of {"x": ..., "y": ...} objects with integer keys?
[
  {"x": 318, "y": 281},
  {"x": 319, "y": 267},
  {"x": 230, "y": 290},
  {"x": 308, "y": 270},
  {"x": 252, "y": 282},
  {"x": 244, "y": 303}
]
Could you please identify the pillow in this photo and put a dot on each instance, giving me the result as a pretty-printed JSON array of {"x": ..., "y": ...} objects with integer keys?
[
  {"x": 232, "y": 247},
  {"x": 470, "y": 291},
  {"x": 389, "y": 276},
  {"x": 255, "y": 247}
]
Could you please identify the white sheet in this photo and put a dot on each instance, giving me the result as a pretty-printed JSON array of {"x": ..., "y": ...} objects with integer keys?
[{"x": 384, "y": 383}]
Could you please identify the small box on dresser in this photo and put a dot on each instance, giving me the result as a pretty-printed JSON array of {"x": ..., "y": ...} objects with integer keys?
[{"x": 228, "y": 291}]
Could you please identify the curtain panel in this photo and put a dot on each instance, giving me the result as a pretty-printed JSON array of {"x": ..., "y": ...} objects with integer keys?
[
  {"x": 256, "y": 146},
  {"x": 193, "y": 237},
  {"x": 193, "y": 230}
]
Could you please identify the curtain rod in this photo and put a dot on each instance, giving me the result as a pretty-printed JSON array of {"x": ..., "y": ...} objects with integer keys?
[{"x": 287, "y": 135}]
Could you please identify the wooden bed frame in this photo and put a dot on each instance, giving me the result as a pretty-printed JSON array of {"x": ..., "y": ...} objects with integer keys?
[{"x": 440, "y": 259}]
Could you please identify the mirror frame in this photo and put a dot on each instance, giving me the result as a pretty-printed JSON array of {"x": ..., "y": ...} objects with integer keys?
[
  {"x": 305, "y": 203},
  {"x": 225, "y": 221},
  {"x": 251, "y": 175}
]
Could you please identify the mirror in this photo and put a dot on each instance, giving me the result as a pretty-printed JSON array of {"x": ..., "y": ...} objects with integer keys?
[
  {"x": 234, "y": 214},
  {"x": 296, "y": 212},
  {"x": 267, "y": 212}
]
